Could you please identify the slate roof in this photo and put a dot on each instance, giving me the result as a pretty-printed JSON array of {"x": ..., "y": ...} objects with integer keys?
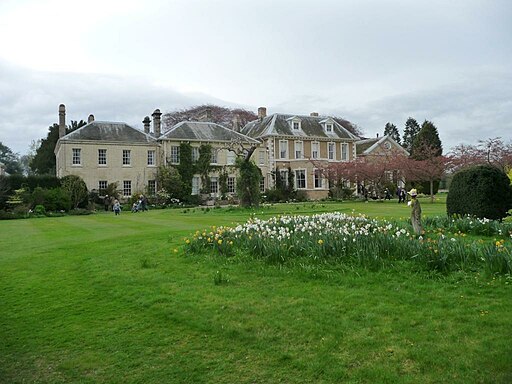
[
  {"x": 277, "y": 125},
  {"x": 366, "y": 146},
  {"x": 363, "y": 145},
  {"x": 204, "y": 131},
  {"x": 110, "y": 132}
]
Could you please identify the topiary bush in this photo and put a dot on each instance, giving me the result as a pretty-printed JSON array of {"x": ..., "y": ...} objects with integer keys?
[{"x": 483, "y": 191}]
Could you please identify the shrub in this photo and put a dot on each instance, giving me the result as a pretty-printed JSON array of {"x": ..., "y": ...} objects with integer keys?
[
  {"x": 77, "y": 190},
  {"x": 40, "y": 210},
  {"x": 57, "y": 199},
  {"x": 482, "y": 191}
]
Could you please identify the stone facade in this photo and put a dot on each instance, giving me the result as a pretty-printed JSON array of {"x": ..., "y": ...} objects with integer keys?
[
  {"x": 109, "y": 152},
  {"x": 304, "y": 145},
  {"x": 125, "y": 164}
]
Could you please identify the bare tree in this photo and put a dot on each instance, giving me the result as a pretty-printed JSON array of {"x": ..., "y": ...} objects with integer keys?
[
  {"x": 491, "y": 151},
  {"x": 217, "y": 114}
]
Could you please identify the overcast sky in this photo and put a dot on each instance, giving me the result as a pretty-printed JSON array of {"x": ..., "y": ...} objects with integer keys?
[{"x": 369, "y": 61}]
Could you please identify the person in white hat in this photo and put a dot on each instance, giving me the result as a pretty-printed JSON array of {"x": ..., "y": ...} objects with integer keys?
[{"x": 415, "y": 212}]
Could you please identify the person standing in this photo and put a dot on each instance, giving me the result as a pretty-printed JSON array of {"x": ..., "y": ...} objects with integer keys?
[
  {"x": 415, "y": 212},
  {"x": 399, "y": 193},
  {"x": 106, "y": 202},
  {"x": 116, "y": 207},
  {"x": 143, "y": 203}
]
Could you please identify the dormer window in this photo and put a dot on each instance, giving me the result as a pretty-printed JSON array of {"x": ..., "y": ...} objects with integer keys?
[
  {"x": 295, "y": 123},
  {"x": 328, "y": 125}
]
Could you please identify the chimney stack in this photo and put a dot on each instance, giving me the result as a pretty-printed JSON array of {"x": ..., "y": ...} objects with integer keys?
[
  {"x": 156, "y": 122},
  {"x": 236, "y": 123},
  {"x": 314, "y": 114},
  {"x": 208, "y": 114},
  {"x": 90, "y": 119},
  {"x": 62, "y": 120},
  {"x": 262, "y": 113},
  {"x": 146, "y": 123}
]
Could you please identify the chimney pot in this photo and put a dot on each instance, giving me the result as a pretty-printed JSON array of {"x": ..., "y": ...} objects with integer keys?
[
  {"x": 236, "y": 122},
  {"x": 314, "y": 114},
  {"x": 62, "y": 120},
  {"x": 156, "y": 122},
  {"x": 262, "y": 113},
  {"x": 90, "y": 119},
  {"x": 146, "y": 123},
  {"x": 208, "y": 114}
]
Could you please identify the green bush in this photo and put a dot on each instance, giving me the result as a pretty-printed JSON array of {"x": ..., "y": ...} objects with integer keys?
[
  {"x": 33, "y": 181},
  {"x": 482, "y": 191},
  {"x": 40, "y": 210},
  {"x": 57, "y": 199}
]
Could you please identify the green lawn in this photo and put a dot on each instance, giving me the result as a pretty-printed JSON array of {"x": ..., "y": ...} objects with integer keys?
[{"x": 104, "y": 299}]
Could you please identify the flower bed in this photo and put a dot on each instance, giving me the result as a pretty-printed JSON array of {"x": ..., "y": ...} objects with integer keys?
[{"x": 338, "y": 237}]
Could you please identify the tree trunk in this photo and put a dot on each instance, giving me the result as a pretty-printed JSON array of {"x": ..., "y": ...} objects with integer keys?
[{"x": 431, "y": 191}]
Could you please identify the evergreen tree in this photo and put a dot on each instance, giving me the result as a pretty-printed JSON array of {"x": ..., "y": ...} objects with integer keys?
[
  {"x": 427, "y": 143},
  {"x": 44, "y": 162},
  {"x": 248, "y": 182},
  {"x": 410, "y": 131},
  {"x": 392, "y": 130},
  {"x": 10, "y": 160}
]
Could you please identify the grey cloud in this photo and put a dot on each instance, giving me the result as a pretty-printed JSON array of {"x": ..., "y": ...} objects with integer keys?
[
  {"x": 477, "y": 108},
  {"x": 30, "y": 101}
]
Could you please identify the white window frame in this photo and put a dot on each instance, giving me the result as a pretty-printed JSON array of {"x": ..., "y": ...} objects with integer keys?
[
  {"x": 101, "y": 183},
  {"x": 175, "y": 154},
  {"x": 329, "y": 127},
  {"x": 261, "y": 157},
  {"x": 151, "y": 187},
  {"x": 195, "y": 154},
  {"x": 318, "y": 180},
  {"x": 214, "y": 158},
  {"x": 315, "y": 150},
  {"x": 127, "y": 188},
  {"x": 296, "y": 125},
  {"x": 331, "y": 155},
  {"x": 102, "y": 156},
  {"x": 302, "y": 172},
  {"x": 283, "y": 144},
  {"x": 344, "y": 152},
  {"x": 214, "y": 185},
  {"x": 151, "y": 157},
  {"x": 127, "y": 157},
  {"x": 284, "y": 176},
  {"x": 76, "y": 158},
  {"x": 230, "y": 157},
  {"x": 299, "y": 149},
  {"x": 196, "y": 185},
  {"x": 231, "y": 183}
]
